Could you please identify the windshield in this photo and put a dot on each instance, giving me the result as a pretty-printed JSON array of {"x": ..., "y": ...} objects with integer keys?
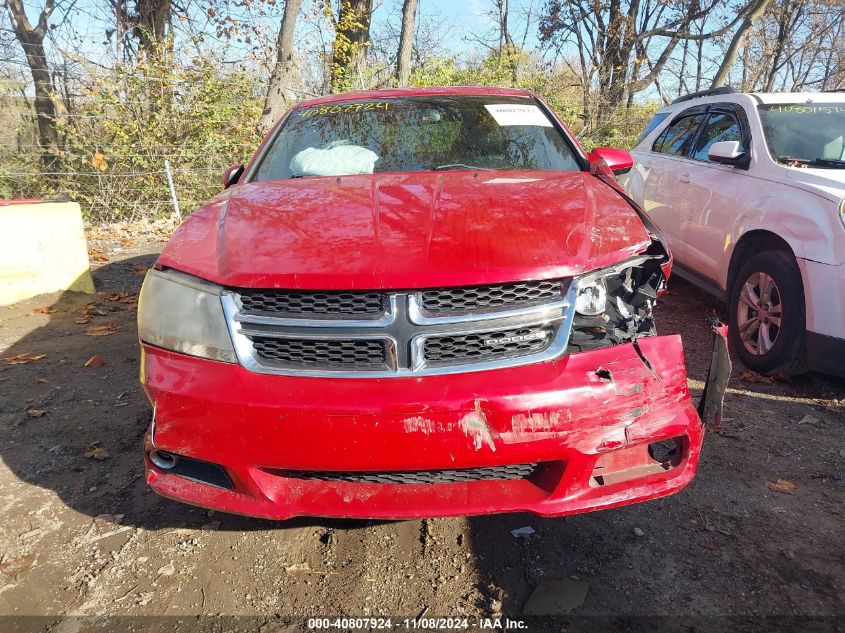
[
  {"x": 416, "y": 134},
  {"x": 806, "y": 134}
]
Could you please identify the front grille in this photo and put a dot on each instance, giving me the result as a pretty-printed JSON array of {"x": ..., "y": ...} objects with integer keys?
[
  {"x": 496, "y": 297},
  {"x": 400, "y": 333},
  {"x": 487, "y": 345},
  {"x": 457, "y": 475},
  {"x": 352, "y": 354},
  {"x": 318, "y": 304}
]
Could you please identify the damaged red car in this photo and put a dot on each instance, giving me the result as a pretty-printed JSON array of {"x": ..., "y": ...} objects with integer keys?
[{"x": 416, "y": 303}]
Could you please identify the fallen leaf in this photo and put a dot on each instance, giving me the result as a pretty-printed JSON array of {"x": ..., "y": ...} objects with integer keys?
[
  {"x": 35, "y": 413},
  {"x": 753, "y": 376},
  {"x": 83, "y": 319},
  {"x": 98, "y": 161},
  {"x": 41, "y": 380},
  {"x": 18, "y": 566},
  {"x": 101, "y": 330},
  {"x": 782, "y": 485},
  {"x": 44, "y": 310},
  {"x": 97, "y": 255},
  {"x": 98, "y": 453},
  {"x": 22, "y": 359},
  {"x": 139, "y": 270},
  {"x": 95, "y": 361},
  {"x": 127, "y": 242}
]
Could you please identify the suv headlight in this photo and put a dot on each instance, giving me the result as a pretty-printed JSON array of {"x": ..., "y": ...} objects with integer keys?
[{"x": 184, "y": 314}]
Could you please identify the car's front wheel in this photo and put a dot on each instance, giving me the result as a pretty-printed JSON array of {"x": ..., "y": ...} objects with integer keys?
[{"x": 768, "y": 322}]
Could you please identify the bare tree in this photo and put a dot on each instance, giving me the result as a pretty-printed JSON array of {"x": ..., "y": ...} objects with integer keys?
[
  {"x": 277, "y": 98},
  {"x": 32, "y": 40},
  {"x": 406, "y": 42},
  {"x": 615, "y": 39},
  {"x": 754, "y": 12}
]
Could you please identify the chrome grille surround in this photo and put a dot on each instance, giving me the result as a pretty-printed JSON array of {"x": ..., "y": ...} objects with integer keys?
[{"x": 404, "y": 328}]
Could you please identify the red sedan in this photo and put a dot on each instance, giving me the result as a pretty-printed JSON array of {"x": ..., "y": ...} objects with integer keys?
[{"x": 414, "y": 303}]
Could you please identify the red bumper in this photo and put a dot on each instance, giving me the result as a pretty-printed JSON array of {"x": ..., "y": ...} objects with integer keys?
[{"x": 586, "y": 419}]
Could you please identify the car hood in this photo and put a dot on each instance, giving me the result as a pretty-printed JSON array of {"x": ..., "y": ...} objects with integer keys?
[
  {"x": 407, "y": 231},
  {"x": 829, "y": 182}
]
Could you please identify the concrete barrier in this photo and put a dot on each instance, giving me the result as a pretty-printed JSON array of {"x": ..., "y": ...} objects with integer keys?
[{"x": 42, "y": 249}]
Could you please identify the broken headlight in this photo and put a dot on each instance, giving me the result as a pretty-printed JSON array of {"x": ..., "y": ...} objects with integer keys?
[
  {"x": 592, "y": 296},
  {"x": 184, "y": 314},
  {"x": 614, "y": 305}
]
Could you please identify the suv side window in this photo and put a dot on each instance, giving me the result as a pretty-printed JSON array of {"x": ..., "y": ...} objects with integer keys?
[
  {"x": 678, "y": 137},
  {"x": 656, "y": 120},
  {"x": 720, "y": 126}
]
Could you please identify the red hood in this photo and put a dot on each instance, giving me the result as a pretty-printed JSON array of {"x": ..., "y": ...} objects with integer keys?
[{"x": 407, "y": 231}]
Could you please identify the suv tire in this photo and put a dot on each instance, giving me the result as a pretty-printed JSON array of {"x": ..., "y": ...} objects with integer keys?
[{"x": 767, "y": 314}]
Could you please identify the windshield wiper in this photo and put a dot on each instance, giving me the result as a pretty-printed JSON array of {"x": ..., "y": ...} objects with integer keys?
[
  {"x": 828, "y": 162},
  {"x": 461, "y": 166},
  {"x": 816, "y": 162}
]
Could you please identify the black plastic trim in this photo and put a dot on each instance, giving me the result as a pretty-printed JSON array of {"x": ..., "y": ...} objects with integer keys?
[{"x": 826, "y": 353}]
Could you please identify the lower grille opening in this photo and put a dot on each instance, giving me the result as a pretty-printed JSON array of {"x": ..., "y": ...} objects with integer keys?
[
  {"x": 351, "y": 354},
  {"x": 456, "y": 475},
  {"x": 487, "y": 345}
]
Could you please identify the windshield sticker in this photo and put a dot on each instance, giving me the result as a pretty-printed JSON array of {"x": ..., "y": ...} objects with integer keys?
[
  {"x": 806, "y": 109},
  {"x": 369, "y": 106},
  {"x": 515, "y": 114}
]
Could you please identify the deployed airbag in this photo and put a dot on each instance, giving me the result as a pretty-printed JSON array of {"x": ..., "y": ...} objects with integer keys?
[{"x": 341, "y": 160}]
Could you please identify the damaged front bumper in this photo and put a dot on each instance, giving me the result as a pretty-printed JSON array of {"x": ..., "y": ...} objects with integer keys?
[{"x": 592, "y": 430}]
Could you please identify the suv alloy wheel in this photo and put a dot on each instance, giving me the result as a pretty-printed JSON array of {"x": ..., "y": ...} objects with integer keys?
[{"x": 767, "y": 318}]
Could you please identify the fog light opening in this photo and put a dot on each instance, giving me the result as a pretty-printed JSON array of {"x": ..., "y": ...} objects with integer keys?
[
  {"x": 666, "y": 452},
  {"x": 163, "y": 460}
]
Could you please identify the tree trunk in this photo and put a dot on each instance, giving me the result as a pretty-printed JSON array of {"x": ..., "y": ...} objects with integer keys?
[
  {"x": 406, "y": 42},
  {"x": 32, "y": 42},
  {"x": 352, "y": 37},
  {"x": 154, "y": 18},
  {"x": 277, "y": 99},
  {"x": 739, "y": 37}
]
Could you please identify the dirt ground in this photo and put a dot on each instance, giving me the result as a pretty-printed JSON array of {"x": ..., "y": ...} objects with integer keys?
[{"x": 82, "y": 535}]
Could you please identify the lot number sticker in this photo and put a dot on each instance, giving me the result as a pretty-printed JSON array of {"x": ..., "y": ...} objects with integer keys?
[{"x": 515, "y": 114}]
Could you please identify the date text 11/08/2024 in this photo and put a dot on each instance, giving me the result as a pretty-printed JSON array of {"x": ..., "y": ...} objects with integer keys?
[{"x": 417, "y": 624}]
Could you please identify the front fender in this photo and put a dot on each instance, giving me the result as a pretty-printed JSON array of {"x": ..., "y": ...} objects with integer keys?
[{"x": 808, "y": 223}]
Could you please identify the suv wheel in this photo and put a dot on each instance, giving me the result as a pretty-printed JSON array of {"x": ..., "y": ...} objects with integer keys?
[{"x": 767, "y": 322}]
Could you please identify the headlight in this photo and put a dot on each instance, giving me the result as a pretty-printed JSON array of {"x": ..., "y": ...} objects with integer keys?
[
  {"x": 592, "y": 296},
  {"x": 842, "y": 211},
  {"x": 184, "y": 314}
]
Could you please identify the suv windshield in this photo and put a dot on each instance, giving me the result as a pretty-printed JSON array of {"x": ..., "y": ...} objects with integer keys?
[
  {"x": 416, "y": 134},
  {"x": 805, "y": 134}
]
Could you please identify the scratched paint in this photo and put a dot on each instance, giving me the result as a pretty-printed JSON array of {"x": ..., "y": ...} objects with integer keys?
[
  {"x": 474, "y": 425},
  {"x": 419, "y": 424}
]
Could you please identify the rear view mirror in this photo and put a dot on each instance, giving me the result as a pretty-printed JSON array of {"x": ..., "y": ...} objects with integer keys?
[
  {"x": 618, "y": 160},
  {"x": 727, "y": 153},
  {"x": 232, "y": 175}
]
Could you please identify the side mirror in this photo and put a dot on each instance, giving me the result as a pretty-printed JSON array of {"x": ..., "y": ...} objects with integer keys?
[
  {"x": 232, "y": 175},
  {"x": 727, "y": 153},
  {"x": 617, "y": 160}
]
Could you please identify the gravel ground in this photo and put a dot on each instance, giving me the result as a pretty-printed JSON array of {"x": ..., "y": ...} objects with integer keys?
[{"x": 82, "y": 535}]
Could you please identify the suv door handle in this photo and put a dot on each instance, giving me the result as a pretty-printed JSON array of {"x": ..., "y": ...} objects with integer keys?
[{"x": 684, "y": 177}]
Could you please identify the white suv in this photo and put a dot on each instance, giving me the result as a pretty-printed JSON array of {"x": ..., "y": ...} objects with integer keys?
[{"x": 749, "y": 190}]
